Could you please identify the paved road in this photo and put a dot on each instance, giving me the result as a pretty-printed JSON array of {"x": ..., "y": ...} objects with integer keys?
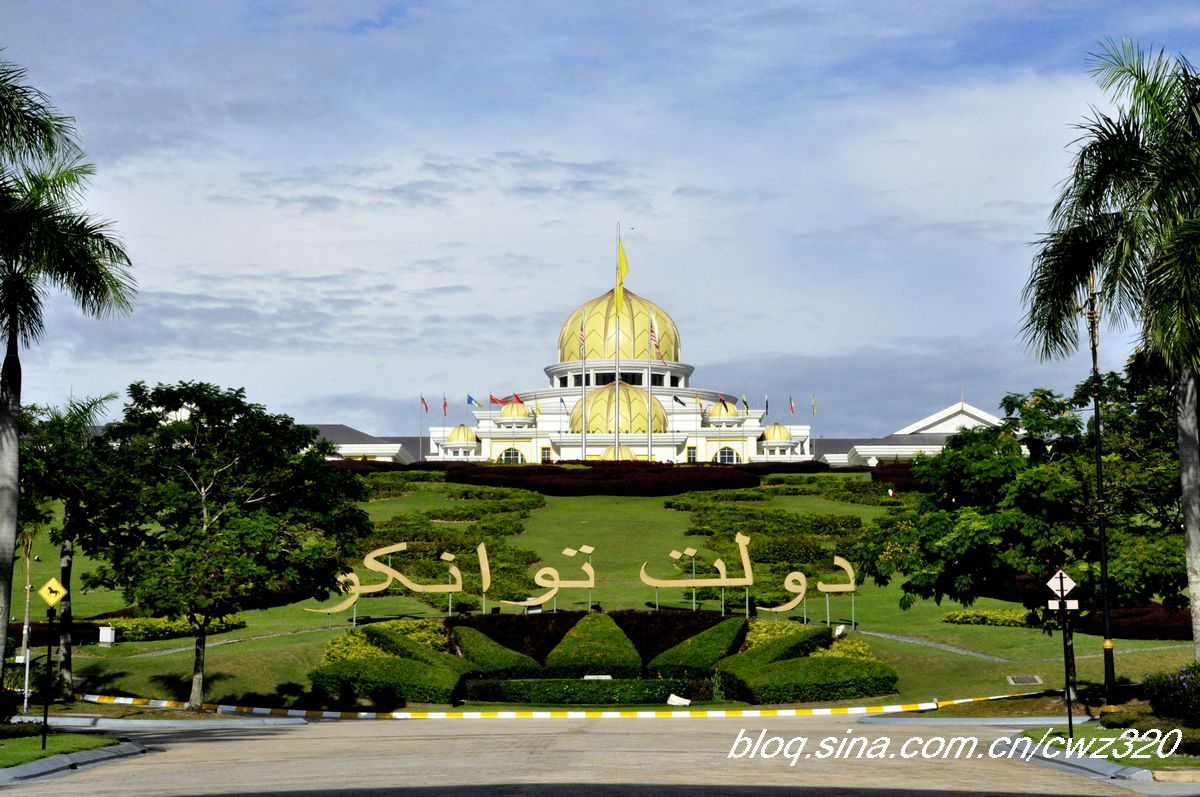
[{"x": 472, "y": 758}]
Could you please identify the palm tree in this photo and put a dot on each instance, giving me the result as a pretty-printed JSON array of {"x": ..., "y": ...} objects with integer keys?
[
  {"x": 30, "y": 128},
  {"x": 45, "y": 242},
  {"x": 1129, "y": 216}
]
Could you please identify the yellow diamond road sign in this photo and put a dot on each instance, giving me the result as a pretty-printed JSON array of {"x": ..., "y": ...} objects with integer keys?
[{"x": 52, "y": 592}]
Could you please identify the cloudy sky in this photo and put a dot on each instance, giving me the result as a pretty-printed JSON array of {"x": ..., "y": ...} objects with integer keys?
[{"x": 340, "y": 206}]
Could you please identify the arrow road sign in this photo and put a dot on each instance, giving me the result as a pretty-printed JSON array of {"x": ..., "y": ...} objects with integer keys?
[
  {"x": 52, "y": 592},
  {"x": 1060, "y": 584}
]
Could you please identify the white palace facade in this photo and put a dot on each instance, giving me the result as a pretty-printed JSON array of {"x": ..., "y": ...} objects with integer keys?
[{"x": 619, "y": 390}]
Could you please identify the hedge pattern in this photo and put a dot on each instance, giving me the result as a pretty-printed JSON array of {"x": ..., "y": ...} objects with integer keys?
[
  {"x": 386, "y": 682},
  {"x": 397, "y": 644},
  {"x": 572, "y": 691},
  {"x": 697, "y": 656},
  {"x": 491, "y": 658},
  {"x": 595, "y": 646},
  {"x": 1006, "y": 618},
  {"x": 818, "y": 679}
]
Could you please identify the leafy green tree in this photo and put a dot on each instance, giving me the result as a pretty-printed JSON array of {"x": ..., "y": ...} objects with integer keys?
[
  {"x": 213, "y": 504},
  {"x": 45, "y": 242},
  {"x": 993, "y": 516},
  {"x": 1129, "y": 218},
  {"x": 61, "y": 446}
]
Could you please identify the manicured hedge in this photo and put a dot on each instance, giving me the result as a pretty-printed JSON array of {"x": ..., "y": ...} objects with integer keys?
[
  {"x": 146, "y": 629},
  {"x": 1007, "y": 618},
  {"x": 605, "y": 478},
  {"x": 802, "y": 642},
  {"x": 697, "y": 656},
  {"x": 819, "y": 679},
  {"x": 398, "y": 644},
  {"x": 595, "y": 646},
  {"x": 350, "y": 646},
  {"x": 573, "y": 691},
  {"x": 491, "y": 658},
  {"x": 387, "y": 682}
]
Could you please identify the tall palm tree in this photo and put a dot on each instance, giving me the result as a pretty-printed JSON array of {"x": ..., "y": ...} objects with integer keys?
[
  {"x": 30, "y": 128},
  {"x": 45, "y": 242},
  {"x": 1129, "y": 215}
]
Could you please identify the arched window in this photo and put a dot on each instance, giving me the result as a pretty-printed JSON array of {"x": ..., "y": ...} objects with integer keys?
[
  {"x": 727, "y": 456},
  {"x": 511, "y": 456}
]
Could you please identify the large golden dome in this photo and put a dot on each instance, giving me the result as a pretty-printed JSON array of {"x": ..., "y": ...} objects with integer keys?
[
  {"x": 462, "y": 434},
  {"x": 602, "y": 415},
  {"x": 599, "y": 319},
  {"x": 777, "y": 433}
]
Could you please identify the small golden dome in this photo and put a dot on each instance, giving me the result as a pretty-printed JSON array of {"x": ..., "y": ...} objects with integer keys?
[
  {"x": 599, "y": 320},
  {"x": 614, "y": 401},
  {"x": 723, "y": 409},
  {"x": 777, "y": 433},
  {"x": 514, "y": 409},
  {"x": 609, "y": 454},
  {"x": 462, "y": 434}
]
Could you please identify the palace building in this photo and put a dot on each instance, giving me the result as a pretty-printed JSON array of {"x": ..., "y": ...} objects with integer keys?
[{"x": 620, "y": 390}]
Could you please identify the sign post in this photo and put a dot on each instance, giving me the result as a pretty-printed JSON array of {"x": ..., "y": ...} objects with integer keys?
[
  {"x": 51, "y": 592},
  {"x": 1061, "y": 584}
]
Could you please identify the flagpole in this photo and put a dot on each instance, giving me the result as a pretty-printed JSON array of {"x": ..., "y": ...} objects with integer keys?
[
  {"x": 649, "y": 416},
  {"x": 617, "y": 291},
  {"x": 583, "y": 383}
]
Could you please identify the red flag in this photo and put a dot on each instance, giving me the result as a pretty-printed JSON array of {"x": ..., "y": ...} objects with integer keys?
[
  {"x": 517, "y": 399},
  {"x": 445, "y": 406},
  {"x": 791, "y": 405},
  {"x": 581, "y": 321},
  {"x": 424, "y": 404},
  {"x": 495, "y": 400}
]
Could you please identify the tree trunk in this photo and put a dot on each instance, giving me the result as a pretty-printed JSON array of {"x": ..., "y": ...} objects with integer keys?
[
  {"x": 1189, "y": 478},
  {"x": 196, "y": 701},
  {"x": 10, "y": 482},
  {"x": 66, "y": 558}
]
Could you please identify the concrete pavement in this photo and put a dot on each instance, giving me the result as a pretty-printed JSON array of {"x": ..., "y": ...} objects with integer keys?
[{"x": 543, "y": 757}]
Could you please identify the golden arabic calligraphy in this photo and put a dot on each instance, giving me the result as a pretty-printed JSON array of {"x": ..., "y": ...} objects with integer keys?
[{"x": 548, "y": 577}]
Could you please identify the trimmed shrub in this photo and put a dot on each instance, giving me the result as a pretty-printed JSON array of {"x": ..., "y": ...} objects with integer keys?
[
  {"x": 697, "y": 656},
  {"x": 397, "y": 644},
  {"x": 764, "y": 630},
  {"x": 848, "y": 648},
  {"x": 430, "y": 633},
  {"x": 819, "y": 679},
  {"x": 490, "y": 657},
  {"x": 1175, "y": 695},
  {"x": 572, "y": 691},
  {"x": 595, "y": 646},
  {"x": 387, "y": 682},
  {"x": 146, "y": 629},
  {"x": 350, "y": 646},
  {"x": 1007, "y": 618},
  {"x": 803, "y": 641}
]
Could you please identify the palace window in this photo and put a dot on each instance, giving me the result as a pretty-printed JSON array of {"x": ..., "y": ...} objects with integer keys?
[
  {"x": 579, "y": 380},
  {"x": 511, "y": 456},
  {"x": 562, "y": 381},
  {"x": 545, "y": 454},
  {"x": 674, "y": 381},
  {"x": 691, "y": 454},
  {"x": 631, "y": 377},
  {"x": 605, "y": 379},
  {"x": 656, "y": 380},
  {"x": 727, "y": 456}
]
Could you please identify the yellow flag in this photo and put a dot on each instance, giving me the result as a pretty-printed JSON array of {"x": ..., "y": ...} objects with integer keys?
[{"x": 622, "y": 270}]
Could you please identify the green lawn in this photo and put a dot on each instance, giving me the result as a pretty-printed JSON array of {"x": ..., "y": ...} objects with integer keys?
[
  {"x": 625, "y": 532},
  {"x": 24, "y": 749}
]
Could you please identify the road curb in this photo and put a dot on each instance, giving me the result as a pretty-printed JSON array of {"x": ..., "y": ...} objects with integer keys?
[{"x": 65, "y": 761}]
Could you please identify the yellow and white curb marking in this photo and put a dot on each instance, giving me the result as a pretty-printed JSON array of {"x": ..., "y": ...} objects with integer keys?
[{"x": 835, "y": 711}]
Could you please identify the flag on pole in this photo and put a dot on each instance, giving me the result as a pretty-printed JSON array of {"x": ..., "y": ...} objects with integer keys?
[
  {"x": 745, "y": 403},
  {"x": 424, "y": 404},
  {"x": 654, "y": 337},
  {"x": 473, "y": 402},
  {"x": 814, "y": 403},
  {"x": 537, "y": 408},
  {"x": 622, "y": 270},
  {"x": 679, "y": 401},
  {"x": 492, "y": 398},
  {"x": 582, "y": 319},
  {"x": 766, "y": 406},
  {"x": 445, "y": 406},
  {"x": 699, "y": 403},
  {"x": 563, "y": 402},
  {"x": 791, "y": 405},
  {"x": 517, "y": 398}
]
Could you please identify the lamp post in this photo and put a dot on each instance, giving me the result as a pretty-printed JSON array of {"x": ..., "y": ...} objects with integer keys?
[{"x": 1093, "y": 318}]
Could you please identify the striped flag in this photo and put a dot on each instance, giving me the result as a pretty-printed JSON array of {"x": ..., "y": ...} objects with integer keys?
[
  {"x": 791, "y": 405},
  {"x": 745, "y": 402},
  {"x": 537, "y": 408},
  {"x": 654, "y": 336},
  {"x": 424, "y": 404},
  {"x": 473, "y": 402},
  {"x": 582, "y": 318},
  {"x": 766, "y": 405}
]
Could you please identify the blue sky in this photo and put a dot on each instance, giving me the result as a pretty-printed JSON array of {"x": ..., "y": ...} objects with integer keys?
[{"x": 340, "y": 206}]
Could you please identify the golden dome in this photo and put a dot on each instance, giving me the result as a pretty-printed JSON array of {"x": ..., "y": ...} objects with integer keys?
[
  {"x": 462, "y": 434},
  {"x": 610, "y": 453},
  {"x": 725, "y": 409},
  {"x": 602, "y": 406},
  {"x": 599, "y": 319},
  {"x": 515, "y": 409},
  {"x": 777, "y": 433}
]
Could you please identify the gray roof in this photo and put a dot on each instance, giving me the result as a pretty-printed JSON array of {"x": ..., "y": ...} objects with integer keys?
[
  {"x": 842, "y": 445},
  {"x": 341, "y": 434}
]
